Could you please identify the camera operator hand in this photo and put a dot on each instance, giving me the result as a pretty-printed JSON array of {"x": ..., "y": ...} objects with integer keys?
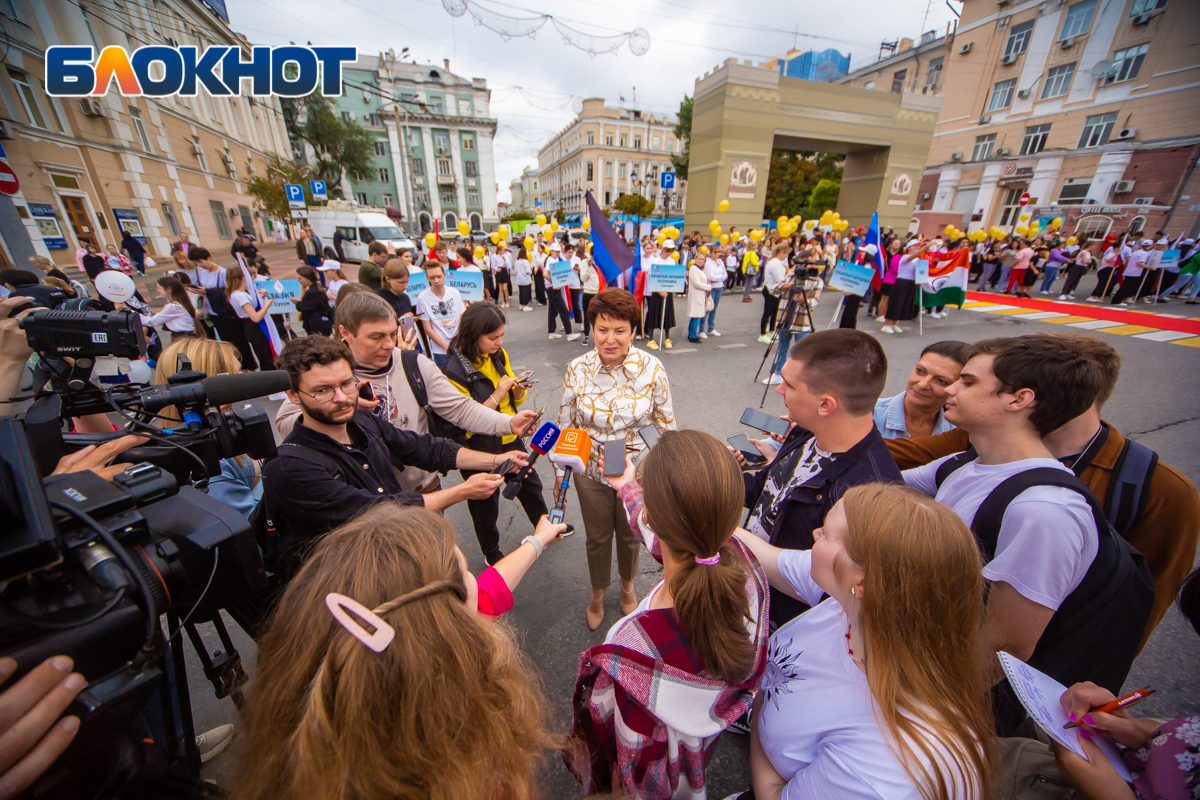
[
  {"x": 95, "y": 458},
  {"x": 31, "y": 734}
]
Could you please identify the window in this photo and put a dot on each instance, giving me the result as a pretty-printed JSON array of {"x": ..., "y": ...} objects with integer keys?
[
  {"x": 473, "y": 197},
  {"x": 421, "y": 197},
  {"x": 139, "y": 127},
  {"x": 28, "y": 99},
  {"x": 1137, "y": 225},
  {"x": 869, "y": 85},
  {"x": 589, "y": 171},
  {"x": 169, "y": 215},
  {"x": 65, "y": 181},
  {"x": 1002, "y": 94},
  {"x": 218, "y": 212},
  {"x": 608, "y": 169},
  {"x": 464, "y": 108},
  {"x": 1126, "y": 64},
  {"x": 1097, "y": 129},
  {"x": 933, "y": 74},
  {"x": 418, "y": 165},
  {"x": 608, "y": 197},
  {"x": 620, "y": 170},
  {"x": 385, "y": 175},
  {"x": 1079, "y": 19},
  {"x": 360, "y": 198},
  {"x": 387, "y": 199},
  {"x": 345, "y": 116},
  {"x": 591, "y": 138},
  {"x": 637, "y": 142},
  {"x": 1073, "y": 194},
  {"x": 1058, "y": 81},
  {"x": 376, "y": 120},
  {"x": 608, "y": 140},
  {"x": 983, "y": 147},
  {"x": 198, "y": 149},
  {"x": 414, "y": 136},
  {"x": 1018, "y": 39},
  {"x": 898, "y": 81},
  {"x": 1012, "y": 205},
  {"x": 1145, "y": 7},
  {"x": 449, "y": 198},
  {"x": 657, "y": 142},
  {"x": 444, "y": 167},
  {"x": 381, "y": 148},
  {"x": 1034, "y": 140},
  {"x": 468, "y": 143},
  {"x": 1094, "y": 227},
  {"x": 470, "y": 169},
  {"x": 58, "y": 123},
  {"x": 441, "y": 140},
  {"x": 435, "y": 105}
]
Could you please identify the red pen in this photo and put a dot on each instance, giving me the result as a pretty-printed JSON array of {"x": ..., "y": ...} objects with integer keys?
[{"x": 1118, "y": 704}]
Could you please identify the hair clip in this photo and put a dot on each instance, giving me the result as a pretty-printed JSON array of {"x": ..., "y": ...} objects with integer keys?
[
  {"x": 378, "y": 641},
  {"x": 710, "y": 561}
]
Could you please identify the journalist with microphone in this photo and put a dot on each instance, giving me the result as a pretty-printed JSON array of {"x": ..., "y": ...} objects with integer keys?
[{"x": 611, "y": 393}]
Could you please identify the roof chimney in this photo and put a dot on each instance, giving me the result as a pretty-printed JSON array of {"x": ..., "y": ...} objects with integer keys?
[{"x": 446, "y": 61}]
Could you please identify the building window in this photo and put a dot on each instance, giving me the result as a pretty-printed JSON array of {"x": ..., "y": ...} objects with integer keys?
[
  {"x": 444, "y": 167},
  {"x": 620, "y": 170},
  {"x": 608, "y": 197},
  {"x": 1145, "y": 7},
  {"x": 1097, "y": 129},
  {"x": 1035, "y": 138},
  {"x": 468, "y": 143},
  {"x": 983, "y": 147},
  {"x": 360, "y": 198},
  {"x": 198, "y": 149},
  {"x": 28, "y": 99},
  {"x": 933, "y": 75},
  {"x": 65, "y": 181},
  {"x": 608, "y": 169},
  {"x": 385, "y": 175},
  {"x": 1058, "y": 81},
  {"x": 637, "y": 142},
  {"x": 449, "y": 197},
  {"x": 387, "y": 199},
  {"x": 1126, "y": 64},
  {"x": 218, "y": 212},
  {"x": 421, "y": 197},
  {"x": 473, "y": 197},
  {"x": 1094, "y": 227},
  {"x": 1137, "y": 225},
  {"x": 898, "y": 81},
  {"x": 608, "y": 139},
  {"x": 624, "y": 140},
  {"x": 869, "y": 85},
  {"x": 58, "y": 123},
  {"x": 1002, "y": 94},
  {"x": 139, "y": 127},
  {"x": 470, "y": 169},
  {"x": 381, "y": 148},
  {"x": 1079, "y": 19},
  {"x": 346, "y": 116},
  {"x": 591, "y": 139},
  {"x": 589, "y": 171},
  {"x": 1018, "y": 39},
  {"x": 464, "y": 108},
  {"x": 435, "y": 105},
  {"x": 376, "y": 120},
  {"x": 1073, "y": 194},
  {"x": 418, "y": 165},
  {"x": 1012, "y": 205},
  {"x": 169, "y": 215},
  {"x": 441, "y": 141}
]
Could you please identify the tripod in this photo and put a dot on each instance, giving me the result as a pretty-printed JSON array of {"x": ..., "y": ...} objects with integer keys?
[{"x": 797, "y": 301}]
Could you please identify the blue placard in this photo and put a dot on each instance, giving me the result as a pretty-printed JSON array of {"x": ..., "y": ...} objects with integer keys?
[
  {"x": 853, "y": 278},
  {"x": 1170, "y": 259},
  {"x": 47, "y": 224},
  {"x": 667, "y": 180},
  {"x": 318, "y": 191},
  {"x": 283, "y": 294},
  {"x": 417, "y": 283},
  {"x": 561, "y": 274},
  {"x": 921, "y": 275},
  {"x": 468, "y": 283},
  {"x": 295, "y": 195},
  {"x": 666, "y": 276}
]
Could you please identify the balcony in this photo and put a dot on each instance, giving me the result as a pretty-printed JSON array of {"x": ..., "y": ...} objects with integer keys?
[{"x": 18, "y": 32}]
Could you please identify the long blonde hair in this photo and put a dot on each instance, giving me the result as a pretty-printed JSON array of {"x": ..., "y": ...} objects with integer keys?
[
  {"x": 922, "y": 611},
  {"x": 210, "y": 356},
  {"x": 450, "y": 710}
]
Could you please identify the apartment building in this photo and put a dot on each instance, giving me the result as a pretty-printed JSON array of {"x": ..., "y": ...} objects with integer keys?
[
  {"x": 1092, "y": 107},
  {"x": 91, "y": 167},
  {"x": 610, "y": 152},
  {"x": 906, "y": 66},
  {"x": 525, "y": 193}
]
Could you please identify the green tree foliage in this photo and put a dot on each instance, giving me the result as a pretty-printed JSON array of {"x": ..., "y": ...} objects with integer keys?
[
  {"x": 794, "y": 175},
  {"x": 683, "y": 131},
  {"x": 634, "y": 205},
  {"x": 824, "y": 196},
  {"x": 343, "y": 148},
  {"x": 267, "y": 190},
  {"x": 560, "y": 216},
  {"x": 517, "y": 215}
]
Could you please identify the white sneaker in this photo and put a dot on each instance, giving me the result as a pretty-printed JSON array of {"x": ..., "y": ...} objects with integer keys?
[
  {"x": 881, "y": 319},
  {"x": 703, "y": 335},
  {"x": 774, "y": 380},
  {"x": 212, "y": 743},
  {"x": 765, "y": 339},
  {"x": 887, "y": 329},
  {"x": 556, "y": 336},
  {"x": 1094, "y": 299},
  {"x": 714, "y": 333},
  {"x": 572, "y": 337},
  {"x": 896, "y": 329},
  {"x": 1066, "y": 297}
]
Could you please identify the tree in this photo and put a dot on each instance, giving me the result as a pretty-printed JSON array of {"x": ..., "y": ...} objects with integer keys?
[
  {"x": 683, "y": 131},
  {"x": 794, "y": 175},
  {"x": 634, "y": 205},
  {"x": 342, "y": 147},
  {"x": 824, "y": 196},
  {"x": 560, "y": 216},
  {"x": 268, "y": 192}
]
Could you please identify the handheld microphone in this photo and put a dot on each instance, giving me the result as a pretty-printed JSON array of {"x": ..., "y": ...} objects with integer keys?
[
  {"x": 572, "y": 452},
  {"x": 219, "y": 390},
  {"x": 541, "y": 444}
]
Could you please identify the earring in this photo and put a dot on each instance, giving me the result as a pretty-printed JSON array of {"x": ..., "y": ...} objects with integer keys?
[{"x": 853, "y": 593}]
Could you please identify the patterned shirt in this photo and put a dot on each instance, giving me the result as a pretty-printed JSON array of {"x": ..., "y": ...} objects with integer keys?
[{"x": 615, "y": 402}]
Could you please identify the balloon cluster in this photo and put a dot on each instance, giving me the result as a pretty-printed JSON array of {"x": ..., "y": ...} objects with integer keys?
[
  {"x": 669, "y": 232},
  {"x": 833, "y": 219},
  {"x": 952, "y": 233},
  {"x": 999, "y": 234},
  {"x": 978, "y": 236}
]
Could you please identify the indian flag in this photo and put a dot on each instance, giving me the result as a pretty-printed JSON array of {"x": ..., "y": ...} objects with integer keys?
[{"x": 947, "y": 284}]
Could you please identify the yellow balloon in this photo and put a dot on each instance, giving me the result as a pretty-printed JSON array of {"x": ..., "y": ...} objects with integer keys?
[
  {"x": 1056, "y": 223},
  {"x": 587, "y": 223},
  {"x": 463, "y": 227},
  {"x": 480, "y": 251},
  {"x": 810, "y": 224},
  {"x": 430, "y": 239},
  {"x": 662, "y": 237},
  {"x": 782, "y": 220},
  {"x": 1071, "y": 240},
  {"x": 716, "y": 232},
  {"x": 712, "y": 223},
  {"x": 735, "y": 237},
  {"x": 948, "y": 230},
  {"x": 1025, "y": 216},
  {"x": 703, "y": 250},
  {"x": 1023, "y": 230},
  {"x": 541, "y": 219},
  {"x": 495, "y": 237},
  {"x": 723, "y": 206},
  {"x": 553, "y": 225},
  {"x": 530, "y": 243},
  {"x": 724, "y": 239},
  {"x": 675, "y": 256},
  {"x": 589, "y": 247}
]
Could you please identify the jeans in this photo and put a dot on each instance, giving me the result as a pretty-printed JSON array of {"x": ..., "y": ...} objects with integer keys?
[
  {"x": 1186, "y": 283},
  {"x": 711, "y": 318},
  {"x": 986, "y": 272},
  {"x": 1051, "y": 275},
  {"x": 695, "y": 325},
  {"x": 786, "y": 338}
]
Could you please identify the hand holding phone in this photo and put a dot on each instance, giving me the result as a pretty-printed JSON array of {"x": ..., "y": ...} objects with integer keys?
[
  {"x": 614, "y": 457},
  {"x": 748, "y": 451},
  {"x": 765, "y": 422}
]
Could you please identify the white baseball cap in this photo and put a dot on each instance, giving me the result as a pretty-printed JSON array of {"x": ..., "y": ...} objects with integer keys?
[
  {"x": 668, "y": 244},
  {"x": 329, "y": 264},
  {"x": 870, "y": 248},
  {"x": 555, "y": 245},
  {"x": 1189, "y": 241},
  {"x": 1164, "y": 240},
  {"x": 1147, "y": 242}
]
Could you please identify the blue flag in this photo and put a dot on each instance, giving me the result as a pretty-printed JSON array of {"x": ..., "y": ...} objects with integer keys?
[
  {"x": 613, "y": 258},
  {"x": 874, "y": 238}
]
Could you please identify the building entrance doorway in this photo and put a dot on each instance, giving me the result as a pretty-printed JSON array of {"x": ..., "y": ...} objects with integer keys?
[{"x": 77, "y": 215}]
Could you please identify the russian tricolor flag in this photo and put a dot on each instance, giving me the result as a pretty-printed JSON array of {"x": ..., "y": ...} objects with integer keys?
[
  {"x": 614, "y": 260},
  {"x": 880, "y": 259}
]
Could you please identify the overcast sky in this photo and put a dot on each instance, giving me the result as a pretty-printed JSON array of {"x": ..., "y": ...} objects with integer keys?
[{"x": 536, "y": 82}]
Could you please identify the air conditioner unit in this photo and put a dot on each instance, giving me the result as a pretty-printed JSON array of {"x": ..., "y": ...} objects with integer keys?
[
  {"x": 1008, "y": 60},
  {"x": 956, "y": 155},
  {"x": 91, "y": 108},
  {"x": 1126, "y": 133},
  {"x": 1123, "y": 187},
  {"x": 1002, "y": 151},
  {"x": 1141, "y": 19},
  {"x": 966, "y": 48},
  {"x": 1023, "y": 94},
  {"x": 1068, "y": 43},
  {"x": 985, "y": 119},
  {"x": 1144, "y": 201},
  {"x": 196, "y": 149}
]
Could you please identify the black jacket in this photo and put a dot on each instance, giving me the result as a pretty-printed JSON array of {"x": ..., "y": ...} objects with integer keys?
[
  {"x": 399, "y": 302},
  {"x": 804, "y": 511},
  {"x": 309, "y": 501},
  {"x": 316, "y": 314},
  {"x": 133, "y": 247},
  {"x": 93, "y": 265},
  {"x": 249, "y": 252}
]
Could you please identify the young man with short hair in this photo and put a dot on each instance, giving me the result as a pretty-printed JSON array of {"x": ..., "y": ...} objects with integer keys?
[
  {"x": 370, "y": 272},
  {"x": 831, "y": 381},
  {"x": 440, "y": 308}
]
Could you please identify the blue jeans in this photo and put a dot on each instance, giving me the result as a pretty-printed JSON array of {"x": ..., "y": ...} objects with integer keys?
[
  {"x": 711, "y": 319},
  {"x": 1187, "y": 282},
  {"x": 786, "y": 338},
  {"x": 1051, "y": 274},
  {"x": 695, "y": 324}
]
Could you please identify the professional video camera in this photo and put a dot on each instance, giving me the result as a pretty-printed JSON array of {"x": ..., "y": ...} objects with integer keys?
[{"x": 88, "y": 566}]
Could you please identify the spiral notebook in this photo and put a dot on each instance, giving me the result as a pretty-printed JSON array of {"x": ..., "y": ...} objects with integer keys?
[{"x": 1040, "y": 694}]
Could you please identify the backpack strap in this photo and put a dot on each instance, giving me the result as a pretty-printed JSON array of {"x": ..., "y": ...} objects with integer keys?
[
  {"x": 416, "y": 381},
  {"x": 1127, "y": 489},
  {"x": 954, "y": 463},
  {"x": 990, "y": 514}
]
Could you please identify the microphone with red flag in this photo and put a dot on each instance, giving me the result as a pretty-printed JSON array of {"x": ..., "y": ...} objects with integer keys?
[{"x": 541, "y": 444}]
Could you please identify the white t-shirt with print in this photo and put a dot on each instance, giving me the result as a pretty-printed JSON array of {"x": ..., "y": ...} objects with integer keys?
[
  {"x": 795, "y": 468},
  {"x": 1048, "y": 536},
  {"x": 443, "y": 313}
]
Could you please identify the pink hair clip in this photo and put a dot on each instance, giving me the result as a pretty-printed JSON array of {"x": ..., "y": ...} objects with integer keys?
[
  {"x": 378, "y": 641},
  {"x": 710, "y": 561}
]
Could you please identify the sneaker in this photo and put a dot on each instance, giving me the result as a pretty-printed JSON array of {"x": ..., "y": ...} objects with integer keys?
[
  {"x": 714, "y": 333},
  {"x": 585, "y": 342},
  {"x": 764, "y": 339},
  {"x": 1094, "y": 299},
  {"x": 881, "y": 319},
  {"x": 740, "y": 725},
  {"x": 703, "y": 335},
  {"x": 896, "y": 329},
  {"x": 493, "y": 557},
  {"x": 556, "y": 336},
  {"x": 747, "y": 299},
  {"x": 572, "y": 336},
  {"x": 1066, "y": 297},
  {"x": 887, "y": 329},
  {"x": 774, "y": 380},
  {"x": 667, "y": 344},
  {"x": 652, "y": 345},
  {"x": 212, "y": 743}
]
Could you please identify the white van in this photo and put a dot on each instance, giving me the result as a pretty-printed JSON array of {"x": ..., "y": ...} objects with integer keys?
[{"x": 359, "y": 227}]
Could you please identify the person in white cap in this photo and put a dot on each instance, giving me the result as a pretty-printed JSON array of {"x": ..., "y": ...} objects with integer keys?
[
  {"x": 660, "y": 306},
  {"x": 902, "y": 301},
  {"x": 335, "y": 279},
  {"x": 1134, "y": 275},
  {"x": 558, "y": 308},
  {"x": 1169, "y": 272}
]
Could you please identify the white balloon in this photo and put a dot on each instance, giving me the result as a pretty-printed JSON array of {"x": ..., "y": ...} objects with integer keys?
[
  {"x": 140, "y": 372},
  {"x": 115, "y": 286}
]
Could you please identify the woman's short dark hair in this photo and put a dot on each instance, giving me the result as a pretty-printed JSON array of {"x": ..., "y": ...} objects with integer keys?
[
  {"x": 199, "y": 254},
  {"x": 478, "y": 320},
  {"x": 958, "y": 352},
  {"x": 614, "y": 303}
]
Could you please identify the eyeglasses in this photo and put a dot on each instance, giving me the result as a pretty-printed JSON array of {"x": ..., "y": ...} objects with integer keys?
[{"x": 327, "y": 393}]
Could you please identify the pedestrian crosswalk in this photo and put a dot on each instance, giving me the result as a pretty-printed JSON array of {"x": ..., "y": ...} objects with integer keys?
[{"x": 1170, "y": 328}]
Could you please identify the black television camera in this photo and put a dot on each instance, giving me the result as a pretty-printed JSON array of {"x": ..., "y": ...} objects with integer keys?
[{"x": 88, "y": 566}]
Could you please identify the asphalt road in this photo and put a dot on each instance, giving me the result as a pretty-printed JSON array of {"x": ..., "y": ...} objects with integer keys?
[{"x": 1157, "y": 402}]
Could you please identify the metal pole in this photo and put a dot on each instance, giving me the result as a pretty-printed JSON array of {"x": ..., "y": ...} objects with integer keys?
[
  {"x": 921, "y": 309},
  {"x": 836, "y": 311}
]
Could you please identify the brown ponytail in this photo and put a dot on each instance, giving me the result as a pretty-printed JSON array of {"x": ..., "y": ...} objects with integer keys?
[{"x": 693, "y": 495}]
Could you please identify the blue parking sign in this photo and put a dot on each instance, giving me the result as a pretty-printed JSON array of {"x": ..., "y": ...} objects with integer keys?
[
  {"x": 318, "y": 191},
  {"x": 667, "y": 180},
  {"x": 295, "y": 195}
]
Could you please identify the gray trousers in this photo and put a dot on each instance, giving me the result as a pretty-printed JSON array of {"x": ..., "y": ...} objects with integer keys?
[{"x": 748, "y": 289}]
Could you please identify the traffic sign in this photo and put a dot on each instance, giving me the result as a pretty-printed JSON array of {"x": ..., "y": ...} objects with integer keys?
[
  {"x": 9, "y": 184},
  {"x": 318, "y": 191},
  {"x": 667, "y": 180},
  {"x": 299, "y": 213},
  {"x": 295, "y": 195},
  {"x": 1024, "y": 201}
]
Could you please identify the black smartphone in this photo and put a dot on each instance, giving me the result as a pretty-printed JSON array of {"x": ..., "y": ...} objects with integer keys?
[
  {"x": 748, "y": 450},
  {"x": 765, "y": 422},
  {"x": 614, "y": 457},
  {"x": 504, "y": 467},
  {"x": 366, "y": 390},
  {"x": 650, "y": 435}
]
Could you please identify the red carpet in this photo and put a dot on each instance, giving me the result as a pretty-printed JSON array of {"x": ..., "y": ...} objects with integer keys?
[{"x": 1103, "y": 311}]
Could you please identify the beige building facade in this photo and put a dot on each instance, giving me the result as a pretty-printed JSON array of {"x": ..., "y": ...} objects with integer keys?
[
  {"x": 610, "y": 152},
  {"x": 155, "y": 166},
  {"x": 526, "y": 194},
  {"x": 1091, "y": 107}
]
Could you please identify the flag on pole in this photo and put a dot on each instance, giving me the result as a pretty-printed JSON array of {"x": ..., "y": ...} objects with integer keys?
[
  {"x": 879, "y": 261},
  {"x": 614, "y": 260},
  {"x": 266, "y": 323},
  {"x": 948, "y": 278}
]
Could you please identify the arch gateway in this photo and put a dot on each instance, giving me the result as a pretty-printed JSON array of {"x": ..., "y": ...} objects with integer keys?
[{"x": 741, "y": 112}]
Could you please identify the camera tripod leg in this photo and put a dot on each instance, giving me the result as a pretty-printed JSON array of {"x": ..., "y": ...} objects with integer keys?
[
  {"x": 224, "y": 667},
  {"x": 181, "y": 734}
]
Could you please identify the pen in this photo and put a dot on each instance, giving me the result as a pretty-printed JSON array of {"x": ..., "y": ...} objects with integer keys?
[{"x": 1118, "y": 704}]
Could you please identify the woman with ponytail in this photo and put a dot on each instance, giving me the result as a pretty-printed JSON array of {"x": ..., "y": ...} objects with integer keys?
[
  {"x": 876, "y": 691},
  {"x": 652, "y": 701}
]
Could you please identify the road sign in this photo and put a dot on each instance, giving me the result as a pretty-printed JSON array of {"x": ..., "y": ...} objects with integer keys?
[
  {"x": 9, "y": 184},
  {"x": 318, "y": 191},
  {"x": 667, "y": 180},
  {"x": 295, "y": 195},
  {"x": 299, "y": 213},
  {"x": 1024, "y": 201}
]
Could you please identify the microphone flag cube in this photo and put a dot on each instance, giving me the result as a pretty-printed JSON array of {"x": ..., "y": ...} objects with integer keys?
[{"x": 573, "y": 449}]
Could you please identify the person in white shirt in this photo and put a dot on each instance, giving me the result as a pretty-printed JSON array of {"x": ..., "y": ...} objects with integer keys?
[
  {"x": 523, "y": 275},
  {"x": 244, "y": 306},
  {"x": 714, "y": 268},
  {"x": 178, "y": 315},
  {"x": 589, "y": 279},
  {"x": 902, "y": 301},
  {"x": 440, "y": 308},
  {"x": 875, "y": 692},
  {"x": 335, "y": 279},
  {"x": 501, "y": 263},
  {"x": 1132, "y": 286},
  {"x": 775, "y": 283}
]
